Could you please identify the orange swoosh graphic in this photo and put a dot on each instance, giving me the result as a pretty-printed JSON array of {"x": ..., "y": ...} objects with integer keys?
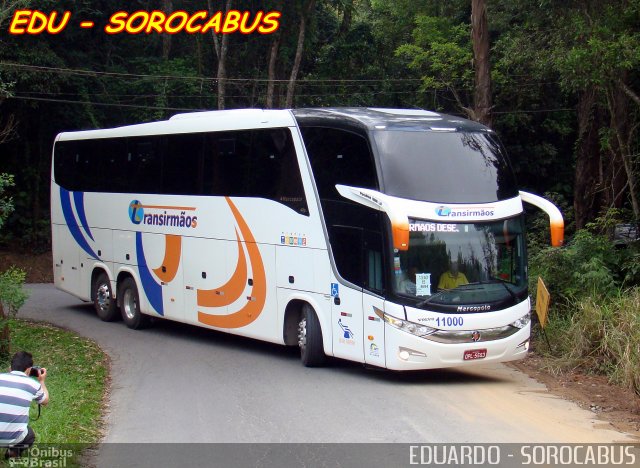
[
  {"x": 232, "y": 290},
  {"x": 171, "y": 258},
  {"x": 253, "y": 308}
]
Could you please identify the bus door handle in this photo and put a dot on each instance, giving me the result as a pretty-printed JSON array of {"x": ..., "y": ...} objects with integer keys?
[{"x": 336, "y": 300}]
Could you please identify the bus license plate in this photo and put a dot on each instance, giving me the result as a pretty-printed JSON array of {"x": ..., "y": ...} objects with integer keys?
[{"x": 475, "y": 354}]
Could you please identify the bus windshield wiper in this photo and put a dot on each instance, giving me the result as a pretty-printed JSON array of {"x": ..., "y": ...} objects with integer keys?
[
  {"x": 495, "y": 281},
  {"x": 429, "y": 299}
]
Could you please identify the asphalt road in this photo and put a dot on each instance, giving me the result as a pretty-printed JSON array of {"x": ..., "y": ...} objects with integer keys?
[{"x": 178, "y": 383}]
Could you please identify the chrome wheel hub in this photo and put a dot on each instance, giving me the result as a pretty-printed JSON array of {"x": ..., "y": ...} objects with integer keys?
[
  {"x": 302, "y": 333},
  {"x": 129, "y": 304},
  {"x": 103, "y": 297}
]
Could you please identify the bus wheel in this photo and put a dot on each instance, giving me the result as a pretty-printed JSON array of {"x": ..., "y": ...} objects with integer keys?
[
  {"x": 310, "y": 338},
  {"x": 103, "y": 302},
  {"x": 130, "y": 305}
]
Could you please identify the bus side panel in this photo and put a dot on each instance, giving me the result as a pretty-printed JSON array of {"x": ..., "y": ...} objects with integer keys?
[
  {"x": 66, "y": 259},
  {"x": 254, "y": 313},
  {"x": 300, "y": 268},
  {"x": 103, "y": 244},
  {"x": 205, "y": 273},
  {"x": 124, "y": 247},
  {"x": 166, "y": 269}
]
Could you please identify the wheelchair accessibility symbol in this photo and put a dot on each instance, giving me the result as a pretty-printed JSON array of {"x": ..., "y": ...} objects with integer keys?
[{"x": 335, "y": 292}]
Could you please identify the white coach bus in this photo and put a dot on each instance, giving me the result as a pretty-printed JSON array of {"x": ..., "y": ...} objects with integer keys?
[{"x": 389, "y": 237}]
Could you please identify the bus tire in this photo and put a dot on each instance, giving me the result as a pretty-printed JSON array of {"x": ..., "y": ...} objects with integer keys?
[
  {"x": 103, "y": 301},
  {"x": 130, "y": 305},
  {"x": 310, "y": 338}
]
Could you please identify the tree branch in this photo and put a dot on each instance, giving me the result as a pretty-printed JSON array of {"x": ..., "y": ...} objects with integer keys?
[{"x": 629, "y": 92}]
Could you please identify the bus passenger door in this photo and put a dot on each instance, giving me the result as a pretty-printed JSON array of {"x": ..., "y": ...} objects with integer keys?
[
  {"x": 346, "y": 314},
  {"x": 346, "y": 306}
]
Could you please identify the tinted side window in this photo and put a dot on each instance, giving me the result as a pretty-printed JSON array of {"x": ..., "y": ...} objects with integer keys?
[
  {"x": 91, "y": 165},
  {"x": 339, "y": 157},
  {"x": 227, "y": 163},
  {"x": 183, "y": 164},
  {"x": 274, "y": 170},
  {"x": 247, "y": 163},
  {"x": 144, "y": 164},
  {"x": 355, "y": 231}
]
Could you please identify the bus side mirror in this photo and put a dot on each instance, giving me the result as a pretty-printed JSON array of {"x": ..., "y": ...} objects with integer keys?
[
  {"x": 378, "y": 201},
  {"x": 556, "y": 222}
]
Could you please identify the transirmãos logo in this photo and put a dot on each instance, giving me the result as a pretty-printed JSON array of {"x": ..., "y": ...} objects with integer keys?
[
  {"x": 443, "y": 211},
  {"x": 136, "y": 212},
  {"x": 464, "y": 211},
  {"x": 155, "y": 215}
]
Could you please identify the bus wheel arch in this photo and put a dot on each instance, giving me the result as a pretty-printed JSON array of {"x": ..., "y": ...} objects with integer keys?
[
  {"x": 292, "y": 317},
  {"x": 310, "y": 338},
  {"x": 104, "y": 302}
]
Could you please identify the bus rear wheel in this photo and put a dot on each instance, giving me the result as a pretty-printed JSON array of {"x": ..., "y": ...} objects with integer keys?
[
  {"x": 310, "y": 338},
  {"x": 130, "y": 305},
  {"x": 103, "y": 301}
]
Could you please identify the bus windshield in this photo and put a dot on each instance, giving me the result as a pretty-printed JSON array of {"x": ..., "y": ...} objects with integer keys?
[
  {"x": 451, "y": 266},
  {"x": 446, "y": 167}
]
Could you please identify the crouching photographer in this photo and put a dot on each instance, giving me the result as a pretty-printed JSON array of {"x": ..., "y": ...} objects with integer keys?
[{"x": 17, "y": 391}]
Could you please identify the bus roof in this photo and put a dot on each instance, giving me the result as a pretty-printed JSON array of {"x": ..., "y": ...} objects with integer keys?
[
  {"x": 237, "y": 119},
  {"x": 371, "y": 118}
]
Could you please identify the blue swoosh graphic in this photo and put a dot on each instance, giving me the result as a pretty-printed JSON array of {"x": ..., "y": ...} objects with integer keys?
[
  {"x": 152, "y": 289},
  {"x": 65, "y": 199},
  {"x": 78, "y": 199}
]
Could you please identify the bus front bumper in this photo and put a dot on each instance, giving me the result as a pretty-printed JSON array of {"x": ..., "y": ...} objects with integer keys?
[{"x": 404, "y": 351}]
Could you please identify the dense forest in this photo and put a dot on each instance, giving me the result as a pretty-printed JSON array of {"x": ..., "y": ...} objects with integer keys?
[{"x": 558, "y": 80}]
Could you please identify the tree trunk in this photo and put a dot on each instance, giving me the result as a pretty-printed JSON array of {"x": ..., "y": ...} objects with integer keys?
[
  {"x": 624, "y": 133},
  {"x": 480, "y": 40},
  {"x": 222, "y": 70},
  {"x": 587, "y": 188},
  {"x": 304, "y": 14},
  {"x": 271, "y": 67},
  {"x": 167, "y": 7},
  {"x": 221, "y": 48},
  {"x": 347, "y": 16},
  {"x": 273, "y": 54},
  {"x": 216, "y": 41}
]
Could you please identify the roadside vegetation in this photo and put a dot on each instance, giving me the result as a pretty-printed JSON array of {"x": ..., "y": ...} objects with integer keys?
[
  {"x": 594, "y": 321},
  {"x": 77, "y": 378}
]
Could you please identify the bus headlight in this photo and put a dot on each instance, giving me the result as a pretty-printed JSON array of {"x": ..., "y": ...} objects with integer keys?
[
  {"x": 404, "y": 325},
  {"x": 522, "y": 321}
]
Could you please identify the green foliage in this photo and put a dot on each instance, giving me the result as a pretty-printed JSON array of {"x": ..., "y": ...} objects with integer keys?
[
  {"x": 441, "y": 53},
  {"x": 603, "y": 336},
  {"x": 587, "y": 266},
  {"x": 12, "y": 294},
  {"x": 6, "y": 203}
]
